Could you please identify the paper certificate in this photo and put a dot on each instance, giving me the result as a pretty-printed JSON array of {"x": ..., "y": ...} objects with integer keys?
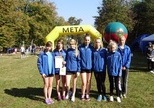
[
  {"x": 58, "y": 61},
  {"x": 62, "y": 71}
]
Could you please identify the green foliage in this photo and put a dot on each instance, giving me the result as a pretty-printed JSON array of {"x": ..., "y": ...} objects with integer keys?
[
  {"x": 26, "y": 20},
  {"x": 144, "y": 18},
  {"x": 113, "y": 10}
]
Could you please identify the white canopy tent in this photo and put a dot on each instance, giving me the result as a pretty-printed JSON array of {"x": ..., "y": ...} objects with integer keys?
[{"x": 149, "y": 38}]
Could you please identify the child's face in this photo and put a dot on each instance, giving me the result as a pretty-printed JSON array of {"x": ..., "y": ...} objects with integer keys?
[
  {"x": 48, "y": 48},
  {"x": 113, "y": 47},
  {"x": 98, "y": 43},
  {"x": 87, "y": 40},
  {"x": 122, "y": 40},
  {"x": 60, "y": 45},
  {"x": 72, "y": 45}
]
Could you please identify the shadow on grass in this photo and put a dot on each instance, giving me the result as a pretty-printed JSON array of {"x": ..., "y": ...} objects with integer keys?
[{"x": 29, "y": 92}]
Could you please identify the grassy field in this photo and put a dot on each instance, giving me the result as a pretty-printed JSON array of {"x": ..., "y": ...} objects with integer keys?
[{"x": 21, "y": 86}]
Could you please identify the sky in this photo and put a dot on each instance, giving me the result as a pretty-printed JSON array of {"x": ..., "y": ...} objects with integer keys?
[{"x": 80, "y": 9}]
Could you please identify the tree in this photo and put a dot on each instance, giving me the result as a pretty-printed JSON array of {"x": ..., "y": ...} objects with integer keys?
[
  {"x": 114, "y": 10},
  {"x": 74, "y": 21},
  {"x": 26, "y": 20},
  {"x": 12, "y": 22},
  {"x": 144, "y": 18}
]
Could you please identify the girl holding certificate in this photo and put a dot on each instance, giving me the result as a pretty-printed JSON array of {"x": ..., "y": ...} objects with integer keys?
[
  {"x": 60, "y": 55},
  {"x": 72, "y": 67},
  {"x": 46, "y": 68},
  {"x": 85, "y": 51}
]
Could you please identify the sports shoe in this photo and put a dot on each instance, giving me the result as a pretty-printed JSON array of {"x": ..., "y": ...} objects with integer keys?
[
  {"x": 99, "y": 98},
  {"x": 59, "y": 98},
  {"x": 124, "y": 95},
  {"x": 152, "y": 71},
  {"x": 51, "y": 100},
  {"x": 118, "y": 99},
  {"x": 63, "y": 98},
  {"x": 73, "y": 98},
  {"x": 111, "y": 98},
  {"x": 104, "y": 98},
  {"x": 121, "y": 96},
  {"x": 67, "y": 96},
  {"x": 82, "y": 97},
  {"x": 47, "y": 101},
  {"x": 87, "y": 98}
]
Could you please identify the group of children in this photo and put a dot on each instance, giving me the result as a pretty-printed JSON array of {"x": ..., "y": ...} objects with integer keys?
[{"x": 83, "y": 60}]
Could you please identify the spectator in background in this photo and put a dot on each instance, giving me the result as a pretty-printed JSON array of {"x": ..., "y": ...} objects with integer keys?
[
  {"x": 152, "y": 59},
  {"x": 22, "y": 50},
  {"x": 148, "y": 54}
]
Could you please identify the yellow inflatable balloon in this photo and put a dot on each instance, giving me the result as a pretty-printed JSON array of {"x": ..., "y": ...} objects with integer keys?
[{"x": 72, "y": 30}]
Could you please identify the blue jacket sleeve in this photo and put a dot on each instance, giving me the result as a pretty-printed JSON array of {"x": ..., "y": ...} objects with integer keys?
[
  {"x": 53, "y": 64},
  {"x": 78, "y": 63},
  {"x": 39, "y": 64},
  {"x": 128, "y": 59}
]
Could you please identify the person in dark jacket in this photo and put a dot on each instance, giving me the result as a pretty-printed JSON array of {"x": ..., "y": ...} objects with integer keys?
[
  {"x": 99, "y": 68},
  {"x": 114, "y": 67},
  {"x": 72, "y": 68},
  {"x": 46, "y": 68},
  {"x": 148, "y": 55},
  {"x": 85, "y": 51},
  {"x": 125, "y": 53},
  {"x": 59, "y": 51}
]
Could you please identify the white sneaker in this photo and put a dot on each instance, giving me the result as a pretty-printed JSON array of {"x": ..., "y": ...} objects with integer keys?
[
  {"x": 152, "y": 71},
  {"x": 118, "y": 99},
  {"x": 121, "y": 96},
  {"x": 124, "y": 95},
  {"x": 111, "y": 98},
  {"x": 67, "y": 96},
  {"x": 73, "y": 99}
]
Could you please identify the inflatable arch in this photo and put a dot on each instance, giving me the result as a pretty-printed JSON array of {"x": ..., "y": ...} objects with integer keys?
[{"x": 72, "y": 30}]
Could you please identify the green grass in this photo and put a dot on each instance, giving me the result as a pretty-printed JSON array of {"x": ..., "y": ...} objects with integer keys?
[{"x": 21, "y": 86}]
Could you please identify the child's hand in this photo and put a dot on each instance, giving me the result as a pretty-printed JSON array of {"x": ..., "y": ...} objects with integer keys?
[
  {"x": 123, "y": 68},
  {"x": 43, "y": 75},
  {"x": 64, "y": 62}
]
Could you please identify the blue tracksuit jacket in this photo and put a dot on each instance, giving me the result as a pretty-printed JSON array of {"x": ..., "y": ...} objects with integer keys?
[
  {"x": 126, "y": 56},
  {"x": 114, "y": 63},
  {"x": 43, "y": 65},
  {"x": 86, "y": 57},
  {"x": 72, "y": 61},
  {"x": 99, "y": 60},
  {"x": 59, "y": 53}
]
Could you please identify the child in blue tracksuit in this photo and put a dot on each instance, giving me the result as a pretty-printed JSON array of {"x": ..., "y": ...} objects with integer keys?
[
  {"x": 114, "y": 65},
  {"x": 99, "y": 68},
  {"x": 72, "y": 68},
  {"x": 59, "y": 51},
  {"x": 125, "y": 52},
  {"x": 46, "y": 68},
  {"x": 85, "y": 51}
]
